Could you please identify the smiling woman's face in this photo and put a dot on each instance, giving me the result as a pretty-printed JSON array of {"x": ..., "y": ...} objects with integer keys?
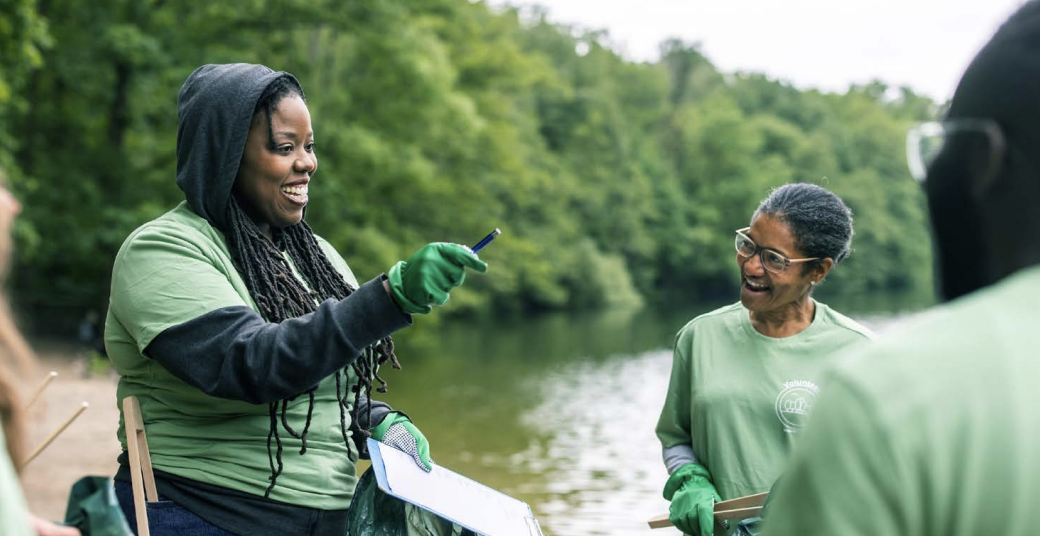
[
  {"x": 277, "y": 165},
  {"x": 762, "y": 291}
]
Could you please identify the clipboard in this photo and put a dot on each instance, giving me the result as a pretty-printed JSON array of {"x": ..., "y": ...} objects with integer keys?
[{"x": 450, "y": 495}]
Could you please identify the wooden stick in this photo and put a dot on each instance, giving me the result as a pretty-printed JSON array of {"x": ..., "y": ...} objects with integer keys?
[
  {"x": 738, "y": 513},
  {"x": 739, "y": 508},
  {"x": 659, "y": 521},
  {"x": 742, "y": 502},
  {"x": 54, "y": 434},
  {"x": 46, "y": 381}
]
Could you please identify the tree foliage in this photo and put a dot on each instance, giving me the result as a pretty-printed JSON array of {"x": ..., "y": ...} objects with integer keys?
[{"x": 614, "y": 181}]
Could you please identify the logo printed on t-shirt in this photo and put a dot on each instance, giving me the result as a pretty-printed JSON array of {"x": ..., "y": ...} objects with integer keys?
[{"x": 794, "y": 403}]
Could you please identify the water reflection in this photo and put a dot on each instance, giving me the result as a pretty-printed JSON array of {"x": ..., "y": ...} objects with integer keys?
[
  {"x": 559, "y": 411},
  {"x": 603, "y": 458}
]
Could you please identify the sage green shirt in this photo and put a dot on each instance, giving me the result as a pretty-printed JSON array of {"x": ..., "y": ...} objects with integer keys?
[
  {"x": 174, "y": 269},
  {"x": 935, "y": 429},
  {"x": 14, "y": 517},
  {"x": 740, "y": 398}
]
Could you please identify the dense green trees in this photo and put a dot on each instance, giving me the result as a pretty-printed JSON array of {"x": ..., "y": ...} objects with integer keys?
[{"x": 613, "y": 181}]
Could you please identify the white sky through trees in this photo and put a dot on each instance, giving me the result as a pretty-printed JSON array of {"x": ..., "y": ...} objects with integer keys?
[{"x": 824, "y": 44}]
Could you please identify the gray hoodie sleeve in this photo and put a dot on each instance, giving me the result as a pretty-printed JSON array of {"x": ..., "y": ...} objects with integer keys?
[
  {"x": 234, "y": 353},
  {"x": 677, "y": 456}
]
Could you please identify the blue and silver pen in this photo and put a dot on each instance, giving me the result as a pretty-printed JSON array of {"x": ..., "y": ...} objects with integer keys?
[{"x": 487, "y": 240}]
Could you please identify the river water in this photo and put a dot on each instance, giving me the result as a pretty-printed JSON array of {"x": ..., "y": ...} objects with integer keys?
[{"x": 559, "y": 410}]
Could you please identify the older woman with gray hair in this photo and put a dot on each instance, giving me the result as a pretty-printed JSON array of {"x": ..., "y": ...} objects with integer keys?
[{"x": 742, "y": 380}]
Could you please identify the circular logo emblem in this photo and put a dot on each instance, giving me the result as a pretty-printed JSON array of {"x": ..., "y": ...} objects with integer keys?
[{"x": 794, "y": 403}]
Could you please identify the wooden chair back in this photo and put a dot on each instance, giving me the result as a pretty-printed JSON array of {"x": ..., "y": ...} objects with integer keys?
[{"x": 141, "y": 476}]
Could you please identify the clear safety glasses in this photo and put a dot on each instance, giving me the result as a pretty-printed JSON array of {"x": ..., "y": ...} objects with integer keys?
[
  {"x": 771, "y": 260},
  {"x": 925, "y": 142}
]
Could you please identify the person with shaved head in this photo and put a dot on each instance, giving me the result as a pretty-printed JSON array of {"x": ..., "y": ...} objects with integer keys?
[{"x": 935, "y": 428}]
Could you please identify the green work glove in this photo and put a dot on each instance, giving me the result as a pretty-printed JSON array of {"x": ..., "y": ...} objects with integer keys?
[
  {"x": 693, "y": 499},
  {"x": 427, "y": 276},
  {"x": 397, "y": 431}
]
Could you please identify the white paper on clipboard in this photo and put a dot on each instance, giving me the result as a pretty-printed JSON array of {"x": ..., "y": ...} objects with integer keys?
[{"x": 450, "y": 495}]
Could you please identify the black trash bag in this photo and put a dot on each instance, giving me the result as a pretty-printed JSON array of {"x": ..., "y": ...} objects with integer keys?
[
  {"x": 374, "y": 513},
  {"x": 94, "y": 509},
  {"x": 750, "y": 526}
]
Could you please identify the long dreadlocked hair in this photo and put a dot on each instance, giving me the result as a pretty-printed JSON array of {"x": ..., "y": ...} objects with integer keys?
[{"x": 279, "y": 295}]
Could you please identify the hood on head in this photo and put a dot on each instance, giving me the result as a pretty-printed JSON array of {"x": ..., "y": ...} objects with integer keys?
[{"x": 214, "y": 110}]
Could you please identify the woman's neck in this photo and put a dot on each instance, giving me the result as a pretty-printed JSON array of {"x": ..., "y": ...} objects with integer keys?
[{"x": 786, "y": 321}]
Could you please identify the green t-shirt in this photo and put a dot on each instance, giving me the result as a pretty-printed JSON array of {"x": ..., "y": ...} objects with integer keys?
[
  {"x": 14, "y": 517},
  {"x": 739, "y": 398},
  {"x": 174, "y": 269},
  {"x": 935, "y": 429}
]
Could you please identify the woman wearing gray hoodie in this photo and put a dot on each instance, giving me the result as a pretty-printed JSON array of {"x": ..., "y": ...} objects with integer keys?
[{"x": 246, "y": 338}]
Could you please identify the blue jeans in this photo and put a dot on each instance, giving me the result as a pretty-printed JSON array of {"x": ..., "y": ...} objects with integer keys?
[{"x": 165, "y": 517}]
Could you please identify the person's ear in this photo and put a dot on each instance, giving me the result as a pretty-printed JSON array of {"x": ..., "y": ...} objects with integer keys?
[
  {"x": 983, "y": 164},
  {"x": 821, "y": 269}
]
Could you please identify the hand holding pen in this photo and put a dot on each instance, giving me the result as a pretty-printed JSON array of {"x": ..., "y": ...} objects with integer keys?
[{"x": 426, "y": 278}]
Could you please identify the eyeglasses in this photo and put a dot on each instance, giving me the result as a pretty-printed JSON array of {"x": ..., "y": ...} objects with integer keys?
[
  {"x": 925, "y": 142},
  {"x": 771, "y": 260}
]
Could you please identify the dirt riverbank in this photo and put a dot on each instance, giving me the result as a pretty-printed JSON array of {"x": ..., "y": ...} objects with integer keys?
[{"x": 87, "y": 447}]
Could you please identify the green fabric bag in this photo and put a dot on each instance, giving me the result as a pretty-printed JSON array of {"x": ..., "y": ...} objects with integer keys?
[{"x": 94, "y": 509}]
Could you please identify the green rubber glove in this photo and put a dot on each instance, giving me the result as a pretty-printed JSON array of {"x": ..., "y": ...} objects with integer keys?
[
  {"x": 397, "y": 431},
  {"x": 693, "y": 499},
  {"x": 427, "y": 276}
]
